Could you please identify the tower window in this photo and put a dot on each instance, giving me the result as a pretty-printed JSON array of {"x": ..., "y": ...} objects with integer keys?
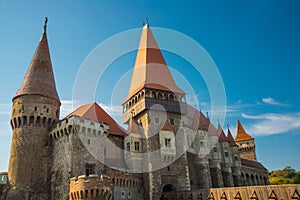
[
  {"x": 172, "y": 122},
  {"x": 128, "y": 146},
  {"x": 89, "y": 169},
  {"x": 156, "y": 120},
  {"x": 215, "y": 149},
  {"x": 35, "y": 108},
  {"x": 122, "y": 194},
  {"x": 137, "y": 146},
  {"x": 88, "y": 141},
  {"x": 226, "y": 154},
  {"x": 168, "y": 143}
]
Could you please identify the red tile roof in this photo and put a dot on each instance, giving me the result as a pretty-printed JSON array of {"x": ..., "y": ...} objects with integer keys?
[
  {"x": 39, "y": 78},
  {"x": 222, "y": 136},
  {"x": 150, "y": 68},
  {"x": 241, "y": 134},
  {"x": 93, "y": 111},
  {"x": 230, "y": 139},
  {"x": 167, "y": 127},
  {"x": 200, "y": 122}
]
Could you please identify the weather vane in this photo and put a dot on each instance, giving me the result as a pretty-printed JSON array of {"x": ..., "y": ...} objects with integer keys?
[
  {"x": 147, "y": 21},
  {"x": 45, "y": 23}
]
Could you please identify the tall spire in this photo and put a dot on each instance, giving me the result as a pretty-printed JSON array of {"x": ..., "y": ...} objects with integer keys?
[
  {"x": 241, "y": 134},
  {"x": 150, "y": 69},
  {"x": 39, "y": 78},
  {"x": 230, "y": 138}
]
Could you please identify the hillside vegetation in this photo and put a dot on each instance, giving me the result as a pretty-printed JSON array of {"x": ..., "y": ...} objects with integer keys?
[{"x": 288, "y": 175}]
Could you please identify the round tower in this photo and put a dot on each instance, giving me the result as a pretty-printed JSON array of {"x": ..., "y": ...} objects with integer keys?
[{"x": 35, "y": 109}]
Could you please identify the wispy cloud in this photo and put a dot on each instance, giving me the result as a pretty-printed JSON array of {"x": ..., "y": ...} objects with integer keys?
[
  {"x": 68, "y": 106},
  {"x": 273, "y": 123},
  {"x": 5, "y": 109},
  {"x": 112, "y": 110},
  {"x": 272, "y": 101}
]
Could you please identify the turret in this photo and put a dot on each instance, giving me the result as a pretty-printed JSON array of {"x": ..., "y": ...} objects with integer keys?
[
  {"x": 35, "y": 110},
  {"x": 245, "y": 142}
]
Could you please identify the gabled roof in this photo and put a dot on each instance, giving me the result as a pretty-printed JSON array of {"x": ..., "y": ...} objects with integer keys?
[
  {"x": 150, "y": 68},
  {"x": 167, "y": 127},
  {"x": 94, "y": 112},
  {"x": 230, "y": 138},
  {"x": 39, "y": 78},
  {"x": 222, "y": 136},
  {"x": 252, "y": 163},
  {"x": 241, "y": 134},
  {"x": 133, "y": 127}
]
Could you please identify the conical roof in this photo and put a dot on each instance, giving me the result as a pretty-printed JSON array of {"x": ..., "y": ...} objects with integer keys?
[
  {"x": 150, "y": 68},
  {"x": 94, "y": 112},
  {"x": 133, "y": 127},
  {"x": 39, "y": 78},
  {"x": 230, "y": 138},
  {"x": 241, "y": 134},
  {"x": 222, "y": 136}
]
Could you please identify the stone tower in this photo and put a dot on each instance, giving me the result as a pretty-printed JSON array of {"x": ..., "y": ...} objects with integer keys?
[
  {"x": 156, "y": 104},
  {"x": 245, "y": 142},
  {"x": 35, "y": 110}
]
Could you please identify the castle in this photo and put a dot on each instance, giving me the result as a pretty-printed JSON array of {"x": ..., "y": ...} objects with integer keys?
[{"x": 169, "y": 146}]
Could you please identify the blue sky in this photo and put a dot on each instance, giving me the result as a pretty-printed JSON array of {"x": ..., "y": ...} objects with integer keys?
[{"x": 255, "y": 45}]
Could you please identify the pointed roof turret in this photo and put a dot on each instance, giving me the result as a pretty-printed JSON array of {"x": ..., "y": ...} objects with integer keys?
[
  {"x": 94, "y": 112},
  {"x": 222, "y": 136},
  {"x": 230, "y": 139},
  {"x": 150, "y": 68},
  {"x": 133, "y": 127},
  {"x": 39, "y": 78},
  {"x": 241, "y": 134}
]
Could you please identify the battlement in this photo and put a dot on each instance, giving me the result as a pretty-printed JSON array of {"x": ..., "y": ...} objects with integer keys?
[
  {"x": 75, "y": 124},
  {"x": 93, "y": 186},
  {"x": 124, "y": 179}
]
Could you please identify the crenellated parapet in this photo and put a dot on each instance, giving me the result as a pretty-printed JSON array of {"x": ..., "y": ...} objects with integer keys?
[
  {"x": 124, "y": 179},
  {"x": 78, "y": 125},
  {"x": 91, "y": 187}
]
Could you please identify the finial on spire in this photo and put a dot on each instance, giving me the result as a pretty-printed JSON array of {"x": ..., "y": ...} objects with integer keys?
[
  {"x": 228, "y": 126},
  {"x": 45, "y": 23},
  {"x": 147, "y": 21},
  {"x": 207, "y": 115}
]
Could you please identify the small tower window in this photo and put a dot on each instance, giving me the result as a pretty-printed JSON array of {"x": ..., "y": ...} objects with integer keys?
[
  {"x": 137, "y": 146},
  {"x": 168, "y": 143},
  {"x": 215, "y": 149},
  {"x": 226, "y": 154},
  {"x": 35, "y": 108},
  {"x": 172, "y": 122},
  {"x": 156, "y": 120},
  {"x": 89, "y": 169},
  {"x": 47, "y": 110},
  {"x": 128, "y": 146}
]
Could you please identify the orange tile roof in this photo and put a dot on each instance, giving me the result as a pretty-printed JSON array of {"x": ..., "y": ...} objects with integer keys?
[
  {"x": 241, "y": 134},
  {"x": 167, "y": 127},
  {"x": 39, "y": 78},
  {"x": 94, "y": 112},
  {"x": 230, "y": 139},
  {"x": 150, "y": 68}
]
